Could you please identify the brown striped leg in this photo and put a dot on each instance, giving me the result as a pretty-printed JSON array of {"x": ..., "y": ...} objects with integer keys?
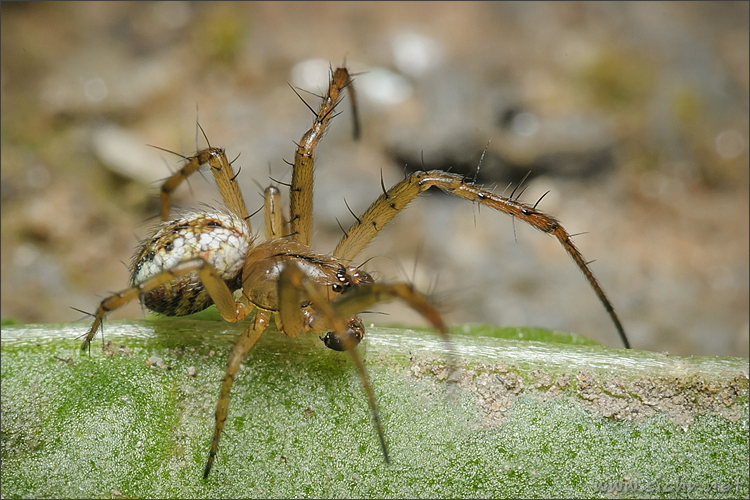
[
  {"x": 244, "y": 344},
  {"x": 340, "y": 314},
  {"x": 229, "y": 309},
  {"x": 391, "y": 202},
  {"x": 301, "y": 192},
  {"x": 225, "y": 179},
  {"x": 275, "y": 224}
]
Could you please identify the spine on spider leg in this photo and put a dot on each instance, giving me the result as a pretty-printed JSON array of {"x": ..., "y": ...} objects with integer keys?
[
  {"x": 272, "y": 213},
  {"x": 191, "y": 165},
  {"x": 244, "y": 344},
  {"x": 106, "y": 306},
  {"x": 564, "y": 238},
  {"x": 359, "y": 299},
  {"x": 98, "y": 318},
  {"x": 226, "y": 180},
  {"x": 382, "y": 211},
  {"x": 544, "y": 223},
  {"x": 301, "y": 194}
]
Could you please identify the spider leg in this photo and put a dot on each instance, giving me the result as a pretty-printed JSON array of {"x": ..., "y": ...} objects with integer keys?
[
  {"x": 226, "y": 180},
  {"x": 391, "y": 202},
  {"x": 273, "y": 216},
  {"x": 229, "y": 309},
  {"x": 366, "y": 296},
  {"x": 301, "y": 193},
  {"x": 292, "y": 277},
  {"x": 244, "y": 344},
  {"x": 337, "y": 315}
]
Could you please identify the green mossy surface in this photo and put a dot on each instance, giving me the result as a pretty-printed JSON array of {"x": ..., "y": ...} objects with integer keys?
[{"x": 555, "y": 416}]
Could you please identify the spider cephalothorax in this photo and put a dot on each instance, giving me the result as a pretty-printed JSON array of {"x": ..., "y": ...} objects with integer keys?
[{"x": 205, "y": 258}]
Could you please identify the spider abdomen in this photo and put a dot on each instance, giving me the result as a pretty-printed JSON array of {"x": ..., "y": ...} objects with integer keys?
[{"x": 220, "y": 239}]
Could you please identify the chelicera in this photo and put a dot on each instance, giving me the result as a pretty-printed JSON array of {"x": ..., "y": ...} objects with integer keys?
[{"x": 203, "y": 257}]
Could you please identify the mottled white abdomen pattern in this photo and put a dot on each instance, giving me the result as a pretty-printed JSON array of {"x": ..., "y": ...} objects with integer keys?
[{"x": 220, "y": 239}]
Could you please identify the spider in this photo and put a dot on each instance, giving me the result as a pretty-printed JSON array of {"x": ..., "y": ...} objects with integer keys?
[{"x": 203, "y": 257}]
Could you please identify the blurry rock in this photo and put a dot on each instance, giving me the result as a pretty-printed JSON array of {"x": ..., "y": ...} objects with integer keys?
[
  {"x": 567, "y": 146},
  {"x": 518, "y": 140},
  {"x": 126, "y": 154}
]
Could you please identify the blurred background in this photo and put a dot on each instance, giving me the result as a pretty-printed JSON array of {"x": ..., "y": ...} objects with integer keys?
[{"x": 633, "y": 115}]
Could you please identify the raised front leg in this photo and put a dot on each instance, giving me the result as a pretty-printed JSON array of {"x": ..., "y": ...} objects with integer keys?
[
  {"x": 385, "y": 208},
  {"x": 301, "y": 192}
]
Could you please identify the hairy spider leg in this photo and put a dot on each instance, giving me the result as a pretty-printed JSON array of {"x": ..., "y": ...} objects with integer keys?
[
  {"x": 301, "y": 192},
  {"x": 226, "y": 181},
  {"x": 243, "y": 345},
  {"x": 246, "y": 341},
  {"x": 293, "y": 278},
  {"x": 391, "y": 202},
  {"x": 332, "y": 315},
  {"x": 295, "y": 289},
  {"x": 229, "y": 309},
  {"x": 272, "y": 213}
]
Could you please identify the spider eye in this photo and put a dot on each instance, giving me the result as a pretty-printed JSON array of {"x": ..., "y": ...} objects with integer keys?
[{"x": 337, "y": 288}]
